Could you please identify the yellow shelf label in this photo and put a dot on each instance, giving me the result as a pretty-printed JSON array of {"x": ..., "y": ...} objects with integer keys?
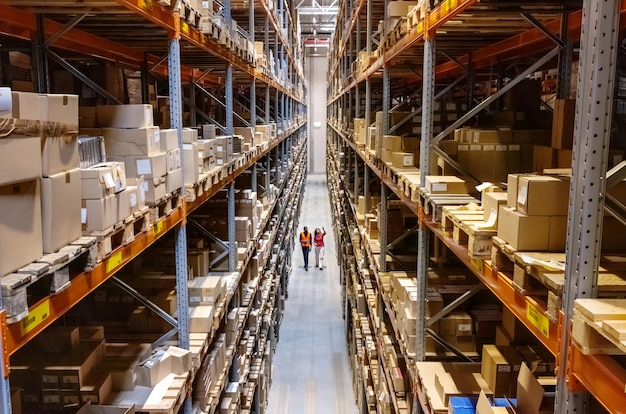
[
  {"x": 538, "y": 319},
  {"x": 114, "y": 261},
  {"x": 184, "y": 27},
  {"x": 478, "y": 264},
  {"x": 158, "y": 228},
  {"x": 146, "y": 4},
  {"x": 35, "y": 317}
]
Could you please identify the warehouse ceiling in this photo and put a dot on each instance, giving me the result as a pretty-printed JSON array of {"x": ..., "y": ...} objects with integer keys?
[{"x": 317, "y": 18}]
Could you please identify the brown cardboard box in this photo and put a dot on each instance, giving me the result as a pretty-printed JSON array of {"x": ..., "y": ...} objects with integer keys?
[
  {"x": 59, "y": 108},
  {"x": 542, "y": 196},
  {"x": 154, "y": 189},
  {"x": 530, "y": 233},
  {"x": 174, "y": 180},
  {"x": 131, "y": 142},
  {"x": 476, "y": 159},
  {"x": 558, "y": 233},
  {"x": 463, "y": 156},
  {"x": 543, "y": 158},
  {"x": 496, "y": 370},
  {"x": 402, "y": 159},
  {"x": 201, "y": 319},
  {"x": 58, "y": 155},
  {"x": 446, "y": 184},
  {"x": 70, "y": 370},
  {"x": 150, "y": 166},
  {"x": 191, "y": 171},
  {"x": 87, "y": 117},
  {"x": 168, "y": 139},
  {"x": 491, "y": 136},
  {"x": 491, "y": 202},
  {"x": 125, "y": 116},
  {"x": 399, "y": 8},
  {"x": 154, "y": 369},
  {"x": 20, "y": 159},
  {"x": 514, "y": 329},
  {"x": 205, "y": 290},
  {"x": 563, "y": 123},
  {"x": 97, "y": 181},
  {"x": 180, "y": 360},
  {"x": 564, "y": 158},
  {"x": 99, "y": 214},
  {"x": 20, "y": 225},
  {"x": 96, "y": 388},
  {"x": 411, "y": 144},
  {"x": 61, "y": 209},
  {"x": 386, "y": 155},
  {"x": 392, "y": 142}
]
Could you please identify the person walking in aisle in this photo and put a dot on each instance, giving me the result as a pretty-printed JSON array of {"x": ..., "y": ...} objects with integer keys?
[
  {"x": 305, "y": 243},
  {"x": 318, "y": 240}
]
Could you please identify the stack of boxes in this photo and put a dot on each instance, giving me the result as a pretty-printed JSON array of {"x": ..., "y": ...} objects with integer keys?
[
  {"x": 563, "y": 131},
  {"x": 535, "y": 216},
  {"x": 400, "y": 152},
  {"x": 205, "y": 293},
  {"x": 40, "y": 198}
]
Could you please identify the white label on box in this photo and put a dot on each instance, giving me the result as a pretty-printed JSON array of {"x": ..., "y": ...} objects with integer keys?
[
  {"x": 440, "y": 187},
  {"x": 514, "y": 147},
  {"x": 208, "y": 299},
  {"x": 194, "y": 299},
  {"x": 408, "y": 161},
  {"x": 133, "y": 200},
  {"x": 201, "y": 154},
  {"x": 70, "y": 379},
  {"x": 482, "y": 187},
  {"x": 157, "y": 135},
  {"x": 475, "y": 147},
  {"x": 220, "y": 161},
  {"x": 464, "y": 327},
  {"x": 504, "y": 368},
  {"x": 142, "y": 193},
  {"x": 489, "y": 147},
  {"x": 476, "y": 136},
  {"x": 463, "y": 148},
  {"x": 148, "y": 113},
  {"x": 144, "y": 187},
  {"x": 109, "y": 182},
  {"x": 501, "y": 148},
  {"x": 219, "y": 148},
  {"x": 83, "y": 216},
  {"x": 144, "y": 167},
  {"x": 522, "y": 194}
]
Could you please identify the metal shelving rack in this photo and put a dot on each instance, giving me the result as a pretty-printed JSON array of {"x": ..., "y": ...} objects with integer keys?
[
  {"x": 151, "y": 30},
  {"x": 434, "y": 47}
]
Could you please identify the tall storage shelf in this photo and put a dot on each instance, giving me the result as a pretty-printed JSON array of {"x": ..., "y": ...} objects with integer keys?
[
  {"x": 242, "y": 61},
  {"x": 426, "y": 70}
]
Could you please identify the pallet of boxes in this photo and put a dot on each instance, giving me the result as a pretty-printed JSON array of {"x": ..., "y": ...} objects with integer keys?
[{"x": 40, "y": 193}]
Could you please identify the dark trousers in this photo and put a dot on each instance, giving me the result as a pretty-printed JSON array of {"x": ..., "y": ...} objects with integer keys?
[{"x": 305, "y": 253}]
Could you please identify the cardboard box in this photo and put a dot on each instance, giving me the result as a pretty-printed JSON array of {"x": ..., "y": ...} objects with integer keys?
[
  {"x": 131, "y": 142},
  {"x": 399, "y": 8},
  {"x": 70, "y": 370},
  {"x": 402, "y": 159},
  {"x": 391, "y": 142},
  {"x": 96, "y": 388},
  {"x": 154, "y": 369},
  {"x": 127, "y": 202},
  {"x": 168, "y": 139},
  {"x": 174, "y": 181},
  {"x": 180, "y": 359},
  {"x": 154, "y": 189},
  {"x": 61, "y": 209},
  {"x": 99, "y": 214},
  {"x": 446, "y": 184},
  {"x": 558, "y": 233},
  {"x": 151, "y": 166},
  {"x": 20, "y": 159},
  {"x": 542, "y": 196},
  {"x": 491, "y": 136},
  {"x": 98, "y": 181},
  {"x": 58, "y": 155},
  {"x": 173, "y": 159},
  {"x": 564, "y": 158},
  {"x": 191, "y": 172},
  {"x": 544, "y": 158},
  {"x": 59, "y": 108},
  {"x": 205, "y": 290},
  {"x": 201, "y": 319},
  {"x": 491, "y": 202},
  {"x": 190, "y": 135},
  {"x": 563, "y": 123},
  {"x": 125, "y": 116},
  {"x": 20, "y": 225},
  {"x": 530, "y": 233},
  {"x": 496, "y": 370},
  {"x": 87, "y": 117}
]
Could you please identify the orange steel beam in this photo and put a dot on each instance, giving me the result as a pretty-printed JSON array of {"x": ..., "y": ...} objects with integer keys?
[
  {"x": 602, "y": 376},
  {"x": 46, "y": 311},
  {"x": 23, "y": 25}
]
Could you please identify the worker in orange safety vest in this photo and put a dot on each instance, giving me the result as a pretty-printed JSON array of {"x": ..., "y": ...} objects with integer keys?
[{"x": 305, "y": 243}]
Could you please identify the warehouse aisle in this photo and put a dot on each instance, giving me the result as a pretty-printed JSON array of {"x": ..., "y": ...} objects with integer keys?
[{"x": 311, "y": 366}]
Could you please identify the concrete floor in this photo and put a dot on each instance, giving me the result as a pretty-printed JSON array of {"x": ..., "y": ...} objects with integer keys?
[{"x": 311, "y": 366}]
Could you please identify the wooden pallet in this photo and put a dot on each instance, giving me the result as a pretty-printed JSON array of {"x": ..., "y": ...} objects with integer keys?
[
  {"x": 541, "y": 275},
  {"x": 49, "y": 275},
  {"x": 599, "y": 326},
  {"x": 122, "y": 233},
  {"x": 434, "y": 203},
  {"x": 164, "y": 207},
  {"x": 167, "y": 397},
  {"x": 466, "y": 231}
]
